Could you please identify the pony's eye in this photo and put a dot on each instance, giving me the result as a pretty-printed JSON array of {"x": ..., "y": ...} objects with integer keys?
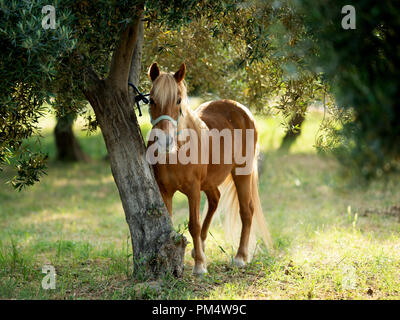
[
  {"x": 151, "y": 101},
  {"x": 179, "y": 101}
]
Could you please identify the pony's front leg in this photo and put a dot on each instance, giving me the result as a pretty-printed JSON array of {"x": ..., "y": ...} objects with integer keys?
[
  {"x": 168, "y": 202},
  {"x": 195, "y": 230}
]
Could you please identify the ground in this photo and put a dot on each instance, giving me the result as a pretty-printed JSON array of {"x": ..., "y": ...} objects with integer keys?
[{"x": 332, "y": 239}]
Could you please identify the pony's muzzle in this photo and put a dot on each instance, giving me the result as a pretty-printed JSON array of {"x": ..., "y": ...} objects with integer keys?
[
  {"x": 164, "y": 141},
  {"x": 164, "y": 135}
]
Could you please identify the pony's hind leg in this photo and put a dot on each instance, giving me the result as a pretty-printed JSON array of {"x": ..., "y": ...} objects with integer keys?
[
  {"x": 213, "y": 196},
  {"x": 195, "y": 230},
  {"x": 243, "y": 188}
]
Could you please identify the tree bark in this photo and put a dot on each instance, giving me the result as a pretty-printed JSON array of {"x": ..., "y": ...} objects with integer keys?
[
  {"x": 68, "y": 148},
  {"x": 136, "y": 64},
  {"x": 157, "y": 248}
]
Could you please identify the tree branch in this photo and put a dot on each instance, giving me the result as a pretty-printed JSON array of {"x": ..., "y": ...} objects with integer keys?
[
  {"x": 82, "y": 70},
  {"x": 135, "y": 69},
  {"x": 122, "y": 56}
]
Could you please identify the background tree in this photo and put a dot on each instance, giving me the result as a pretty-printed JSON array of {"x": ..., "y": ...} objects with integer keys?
[
  {"x": 361, "y": 66},
  {"x": 68, "y": 148}
]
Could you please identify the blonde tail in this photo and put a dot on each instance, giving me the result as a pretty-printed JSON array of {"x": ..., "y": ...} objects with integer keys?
[
  {"x": 229, "y": 210},
  {"x": 258, "y": 216}
]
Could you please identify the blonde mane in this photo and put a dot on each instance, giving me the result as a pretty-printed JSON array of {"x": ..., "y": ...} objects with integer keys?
[{"x": 165, "y": 90}]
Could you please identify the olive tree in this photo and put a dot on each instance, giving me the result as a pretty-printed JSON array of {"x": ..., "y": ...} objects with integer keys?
[{"x": 89, "y": 56}]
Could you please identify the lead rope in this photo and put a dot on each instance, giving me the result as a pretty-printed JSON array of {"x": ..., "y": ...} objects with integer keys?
[{"x": 139, "y": 97}]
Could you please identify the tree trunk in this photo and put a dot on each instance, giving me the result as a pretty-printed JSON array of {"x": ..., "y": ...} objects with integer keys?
[
  {"x": 157, "y": 248},
  {"x": 68, "y": 148},
  {"x": 294, "y": 131}
]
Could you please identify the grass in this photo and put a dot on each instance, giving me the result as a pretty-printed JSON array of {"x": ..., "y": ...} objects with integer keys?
[{"x": 332, "y": 240}]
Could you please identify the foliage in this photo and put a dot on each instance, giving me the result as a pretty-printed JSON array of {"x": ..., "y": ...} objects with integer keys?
[
  {"x": 249, "y": 55},
  {"x": 254, "y": 54},
  {"x": 261, "y": 53},
  {"x": 38, "y": 65},
  {"x": 27, "y": 61},
  {"x": 361, "y": 66},
  {"x": 29, "y": 169}
]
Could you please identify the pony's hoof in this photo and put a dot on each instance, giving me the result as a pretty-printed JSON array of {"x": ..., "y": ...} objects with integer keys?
[
  {"x": 239, "y": 262},
  {"x": 199, "y": 270}
]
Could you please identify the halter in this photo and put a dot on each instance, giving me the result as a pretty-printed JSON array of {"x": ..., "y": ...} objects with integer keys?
[{"x": 166, "y": 117}]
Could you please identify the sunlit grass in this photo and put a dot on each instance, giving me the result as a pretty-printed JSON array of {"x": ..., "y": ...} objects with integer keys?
[{"x": 326, "y": 246}]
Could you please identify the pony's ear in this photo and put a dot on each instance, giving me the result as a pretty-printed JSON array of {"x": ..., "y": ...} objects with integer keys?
[
  {"x": 180, "y": 74},
  {"x": 154, "y": 72}
]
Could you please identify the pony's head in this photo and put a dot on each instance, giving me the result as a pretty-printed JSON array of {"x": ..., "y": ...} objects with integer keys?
[{"x": 167, "y": 103}]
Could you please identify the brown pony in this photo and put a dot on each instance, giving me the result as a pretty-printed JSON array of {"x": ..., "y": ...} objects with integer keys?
[{"x": 218, "y": 178}]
